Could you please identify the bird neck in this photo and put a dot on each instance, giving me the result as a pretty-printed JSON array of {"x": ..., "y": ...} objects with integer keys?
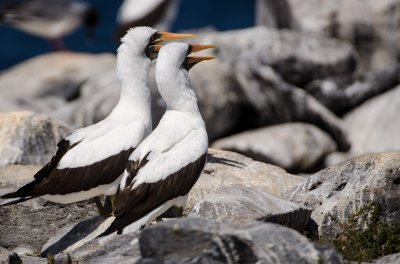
[
  {"x": 175, "y": 88},
  {"x": 132, "y": 72}
]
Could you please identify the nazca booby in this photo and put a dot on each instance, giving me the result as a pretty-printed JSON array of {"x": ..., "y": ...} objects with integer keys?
[
  {"x": 164, "y": 167},
  {"x": 50, "y": 19},
  {"x": 90, "y": 161}
]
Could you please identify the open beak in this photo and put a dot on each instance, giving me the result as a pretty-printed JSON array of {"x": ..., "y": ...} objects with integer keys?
[
  {"x": 191, "y": 61},
  {"x": 162, "y": 35},
  {"x": 196, "y": 47},
  {"x": 152, "y": 51}
]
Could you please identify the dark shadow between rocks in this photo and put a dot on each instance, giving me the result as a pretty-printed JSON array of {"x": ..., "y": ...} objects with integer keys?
[
  {"x": 79, "y": 231},
  {"x": 228, "y": 162}
]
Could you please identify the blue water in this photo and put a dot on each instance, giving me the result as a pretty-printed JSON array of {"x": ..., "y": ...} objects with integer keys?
[{"x": 17, "y": 46}]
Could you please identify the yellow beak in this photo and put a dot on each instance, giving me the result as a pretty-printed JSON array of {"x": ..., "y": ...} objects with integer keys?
[{"x": 162, "y": 36}]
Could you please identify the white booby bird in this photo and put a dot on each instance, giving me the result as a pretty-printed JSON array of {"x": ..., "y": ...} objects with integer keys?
[
  {"x": 165, "y": 166},
  {"x": 50, "y": 19},
  {"x": 91, "y": 161},
  {"x": 156, "y": 13}
]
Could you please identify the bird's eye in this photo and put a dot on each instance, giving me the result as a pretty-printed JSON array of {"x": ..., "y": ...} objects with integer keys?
[
  {"x": 154, "y": 38},
  {"x": 189, "y": 50}
]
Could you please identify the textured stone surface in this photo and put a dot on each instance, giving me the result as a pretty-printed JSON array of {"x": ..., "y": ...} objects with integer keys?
[
  {"x": 227, "y": 168},
  {"x": 196, "y": 240},
  {"x": 239, "y": 204},
  {"x": 373, "y": 28},
  {"x": 274, "y": 14},
  {"x": 344, "y": 192},
  {"x": 47, "y": 91},
  {"x": 14, "y": 176},
  {"x": 375, "y": 125},
  {"x": 391, "y": 259},
  {"x": 28, "y": 138},
  {"x": 340, "y": 97},
  {"x": 110, "y": 249},
  {"x": 292, "y": 146},
  {"x": 298, "y": 58}
]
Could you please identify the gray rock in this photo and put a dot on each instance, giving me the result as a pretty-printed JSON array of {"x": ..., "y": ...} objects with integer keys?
[
  {"x": 28, "y": 138},
  {"x": 274, "y": 14},
  {"x": 12, "y": 256},
  {"x": 69, "y": 235},
  {"x": 275, "y": 101},
  {"x": 110, "y": 249},
  {"x": 49, "y": 90},
  {"x": 292, "y": 146},
  {"x": 391, "y": 259},
  {"x": 341, "y": 99},
  {"x": 240, "y": 204},
  {"x": 376, "y": 39},
  {"x": 14, "y": 176},
  {"x": 299, "y": 58},
  {"x": 196, "y": 240},
  {"x": 359, "y": 191},
  {"x": 373, "y": 126},
  {"x": 226, "y": 168}
]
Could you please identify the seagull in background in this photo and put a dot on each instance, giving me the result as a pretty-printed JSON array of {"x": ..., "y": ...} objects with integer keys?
[
  {"x": 166, "y": 165},
  {"x": 49, "y": 19},
  {"x": 155, "y": 13},
  {"x": 91, "y": 161}
]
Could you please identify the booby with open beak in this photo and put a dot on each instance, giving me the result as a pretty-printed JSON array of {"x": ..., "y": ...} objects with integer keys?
[
  {"x": 91, "y": 161},
  {"x": 165, "y": 166},
  {"x": 50, "y": 19}
]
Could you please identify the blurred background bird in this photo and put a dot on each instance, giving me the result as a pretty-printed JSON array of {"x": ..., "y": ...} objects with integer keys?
[
  {"x": 156, "y": 13},
  {"x": 165, "y": 15},
  {"x": 50, "y": 19}
]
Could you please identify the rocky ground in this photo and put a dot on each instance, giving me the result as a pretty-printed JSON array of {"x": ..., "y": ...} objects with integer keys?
[{"x": 309, "y": 99}]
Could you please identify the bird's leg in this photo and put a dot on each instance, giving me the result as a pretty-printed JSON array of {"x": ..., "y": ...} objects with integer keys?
[
  {"x": 179, "y": 211},
  {"x": 109, "y": 205},
  {"x": 102, "y": 211}
]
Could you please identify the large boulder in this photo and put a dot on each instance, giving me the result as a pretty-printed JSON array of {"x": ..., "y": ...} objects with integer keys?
[
  {"x": 375, "y": 125},
  {"x": 227, "y": 168},
  {"x": 297, "y": 57},
  {"x": 340, "y": 95},
  {"x": 240, "y": 204},
  {"x": 196, "y": 240},
  {"x": 275, "y": 101},
  {"x": 291, "y": 146},
  {"x": 274, "y": 14},
  {"x": 48, "y": 90},
  {"x": 372, "y": 26},
  {"x": 29, "y": 138},
  {"x": 372, "y": 127},
  {"x": 110, "y": 249},
  {"x": 354, "y": 201}
]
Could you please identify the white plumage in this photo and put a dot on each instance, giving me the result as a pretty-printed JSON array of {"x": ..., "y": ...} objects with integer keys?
[
  {"x": 156, "y": 13},
  {"x": 90, "y": 161},
  {"x": 165, "y": 166}
]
